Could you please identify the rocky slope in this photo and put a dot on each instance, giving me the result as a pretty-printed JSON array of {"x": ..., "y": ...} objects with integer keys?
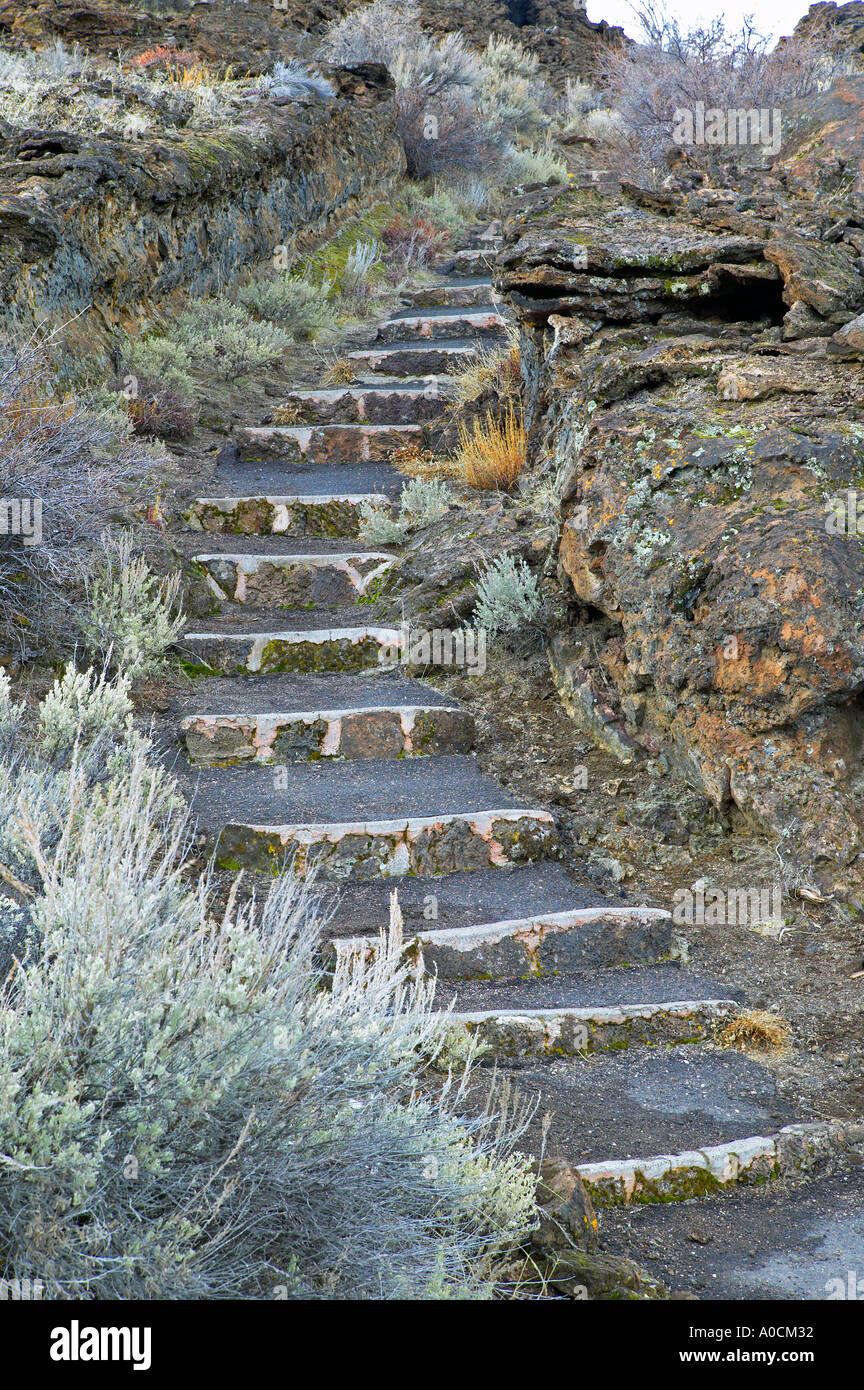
[
  {"x": 108, "y": 228},
  {"x": 693, "y": 360}
]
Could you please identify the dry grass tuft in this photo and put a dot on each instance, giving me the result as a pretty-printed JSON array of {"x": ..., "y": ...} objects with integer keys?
[
  {"x": 288, "y": 414},
  {"x": 754, "y": 1030},
  {"x": 340, "y": 372},
  {"x": 491, "y": 369},
  {"x": 415, "y": 462},
  {"x": 492, "y": 453}
]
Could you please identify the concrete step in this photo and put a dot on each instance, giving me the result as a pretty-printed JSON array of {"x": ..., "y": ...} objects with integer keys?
[
  {"x": 267, "y": 479},
  {"x": 453, "y": 294},
  {"x": 406, "y": 404},
  {"x": 302, "y": 643},
  {"x": 463, "y": 898},
  {"x": 325, "y": 443},
  {"x": 333, "y": 514},
  {"x": 434, "y": 324},
  {"x": 415, "y": 358},
  {"x": 295, "y": 580},
  {"x": 793, "y": 1151},
  {"x": 278, "y": 719},
  {"x": 472, "y": 261},
  {"x": 791, "y": 1241},
  {"x": 511, "y": 1034},
  {"x": 372, "y": 819},
  {"x": 546, "y": 943},
  {"x": 659, "y": 1100}
]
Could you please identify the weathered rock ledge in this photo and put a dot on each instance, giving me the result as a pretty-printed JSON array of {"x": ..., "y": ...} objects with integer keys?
[
  {"x": 109, "y": 230},
  {"x": 693, "y": 361}
]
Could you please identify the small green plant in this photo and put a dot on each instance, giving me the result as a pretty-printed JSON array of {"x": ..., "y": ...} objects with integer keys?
[
  {"x": 82, "y": 706},
  {"x": 508, "y": 599},
  {"x": 129, "y": 620},
  {"x": 423, "y": 501}
]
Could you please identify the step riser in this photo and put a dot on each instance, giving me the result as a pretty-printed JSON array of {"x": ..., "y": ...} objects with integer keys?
[
  {"x": 343, "y": 652},
  {"x": 371, "y": 407},
  {"x": 793, "y": 1151},
  {"x": 380, "y": 733},
  {"x": 413, "y": 361},
  {"x": 296, "y": 581},
  {"x": 536, "y": 946},
  {"x": 473, "y": 261},
  {"x": 300, "y": 444},
  {"x": 553, "y": 1033},
  {"x": 325, "y": 517},
  {"x": 390, "y": 849},
  {"x": 488, "y": 325},
  {"x": 451, "y": 296}
]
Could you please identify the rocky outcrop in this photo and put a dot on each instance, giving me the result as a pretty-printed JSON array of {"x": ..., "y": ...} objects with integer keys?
[
  {"x": 694, "y": 368},
  {"x": 110, "y": 229},
  {"x": 836, "y": 28}
]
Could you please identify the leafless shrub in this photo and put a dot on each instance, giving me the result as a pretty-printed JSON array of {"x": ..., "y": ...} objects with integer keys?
[
  {"x": 678, "y": 68},
  {"x": 78, "y": 465}
]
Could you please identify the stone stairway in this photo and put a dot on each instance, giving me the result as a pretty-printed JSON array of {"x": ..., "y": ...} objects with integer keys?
[{"x": 303, "y": 735}]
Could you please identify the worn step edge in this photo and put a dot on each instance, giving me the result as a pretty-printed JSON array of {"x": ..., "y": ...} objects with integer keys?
[
  {"x": 700, "y": 1172},
  {"x": 535, "y": 945},
  {"x": 391, "y": 848},
  {"x": 329, "y": 736},
  {"x": 512, "y": 1033},
  {"x": 246, "y": 566},
  {"x": 360, "y": 442},
  {"x": 273, "y": 651},
  {"x": 429, "y": 327},
  {"x": 332, "y": 512}
]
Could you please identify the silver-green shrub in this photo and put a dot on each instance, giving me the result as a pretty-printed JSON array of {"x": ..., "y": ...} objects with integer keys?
[
  {"x": 186, "y": 1110},
  {"x": 508, "y": 599}
]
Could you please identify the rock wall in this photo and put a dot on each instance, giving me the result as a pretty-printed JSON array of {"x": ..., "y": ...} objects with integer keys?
[
  {"x": 110, "y": 230},
  {"x": 694, "y": 368}
]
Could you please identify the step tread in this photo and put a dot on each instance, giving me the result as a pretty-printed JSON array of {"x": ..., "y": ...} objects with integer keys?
[
  {"x": 237, "y": 621},
  {"x": 595, "y": 988},
  {"x": 664, "y": 1100},
  {"x": 373, "y": 791},
  {"x": 316, "y": 480},
  {"x": 231, "y": 543},
  {"x": 781, "y": 1243},
  {"x": 441, "y": 311},
  {"x": 285, "y": 694},
  {"x": 461, "y": 899}
]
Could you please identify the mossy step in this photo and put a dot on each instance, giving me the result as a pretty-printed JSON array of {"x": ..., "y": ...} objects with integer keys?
[
  {"x": 326, "y": 515},
  {"x": 513, "y": 1033},
  {"x": 452, "y": 296},
  {"x": 344, "y": 443},
  {"x": 374, "y": 818},
  {"x": 344, "y": 649},
  {"x": 415, "y": 358},
  {"x": 370, "y": 731},
  {"x": 793, "y": 1151},
  {"x": 368, "y": 404},
  {"x": 466, "y": 323},
  {"x": 543, "y": 944},
  {"x": 471, "y": 261},
  {"x": 294, "y": 579}
]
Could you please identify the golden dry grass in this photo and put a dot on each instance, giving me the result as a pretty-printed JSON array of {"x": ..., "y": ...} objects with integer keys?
[
  {"x": 754, "y": 1030},
  {"x": 340, "y": 372},
  {"x": 492, "y": 453},
  {"x": 288, "y": 414},
  {"x": 415, "y": 462},
  {"x": 496, "y": 369}
]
